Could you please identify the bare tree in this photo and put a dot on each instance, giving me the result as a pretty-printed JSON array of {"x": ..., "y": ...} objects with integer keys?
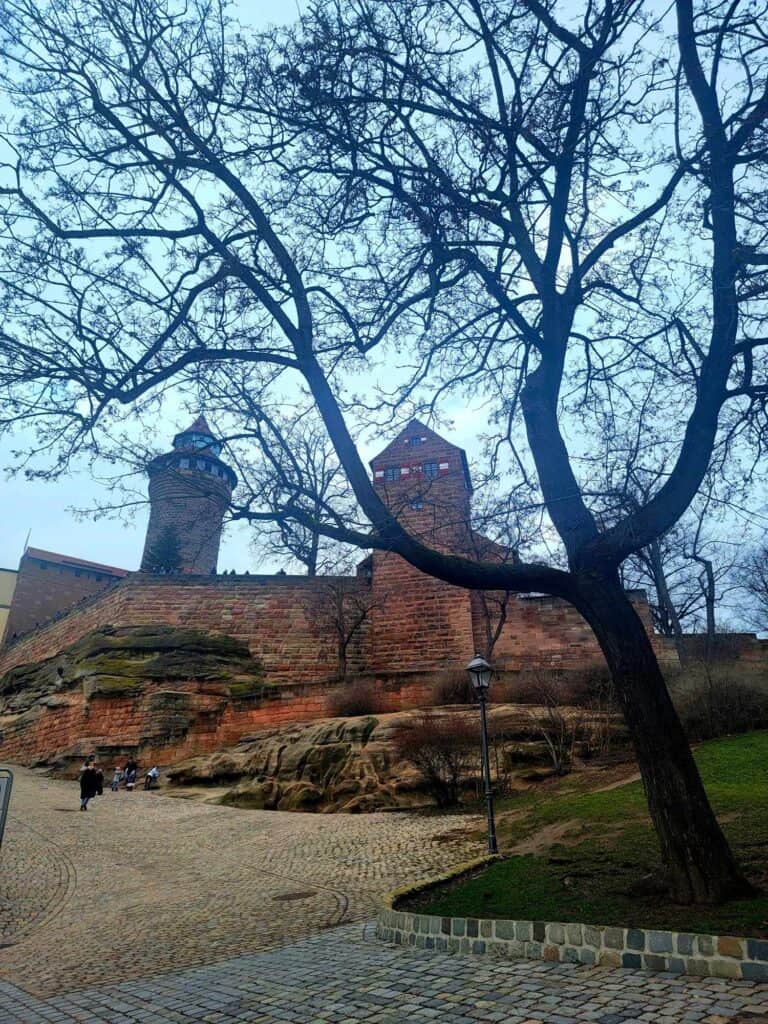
[
  {"x": 295, "y": 465},
  {"x": 350, "y": 610},
  {"x": 545, "y": 208},
  {"x": 755, "y": 582}
]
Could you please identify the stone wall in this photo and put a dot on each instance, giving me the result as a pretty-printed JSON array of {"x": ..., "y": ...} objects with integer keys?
[
  {"x": 417, "y": 622},
  {"x": 160, "y": 725},
  {"x": 287, "y": 621},
  {"x": 546, "y": 632},
  {"x": 720, "y": 956}
]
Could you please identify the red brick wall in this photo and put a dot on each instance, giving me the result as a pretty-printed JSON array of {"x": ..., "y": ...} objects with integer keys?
[
  {"x": 286, "y": 621},
  {"x": 545, "y": 632},
  {"x": 115, "y": 727},
  {"x": 417, "y": 622},
  {"x": 44, "y": 589}
]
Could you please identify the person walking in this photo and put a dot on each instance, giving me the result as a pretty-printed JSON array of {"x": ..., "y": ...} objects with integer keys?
[
  {"x": 130, "y": 775},
  {"x": 117, "y": 779},
  {"x": 90, "y": 784}
]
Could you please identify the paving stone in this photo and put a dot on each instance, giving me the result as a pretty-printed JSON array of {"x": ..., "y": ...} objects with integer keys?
[{"x": 339, "y": 975}]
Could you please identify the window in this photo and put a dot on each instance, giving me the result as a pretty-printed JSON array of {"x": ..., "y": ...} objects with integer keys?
[
  {"x": 417, "y": 505},
  {"x": 184, "y": 463},
  {"x": 430, "y": 469},
  {"x": 415, "y": 442},
  {"x": 391, "y": 473},
  {"x": 201, "y": 464}
]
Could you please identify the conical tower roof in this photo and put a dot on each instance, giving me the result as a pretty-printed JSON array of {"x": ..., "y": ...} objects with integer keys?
[
  {"x": 198, "y": 429},
  {"x": 200, "y": 426}
]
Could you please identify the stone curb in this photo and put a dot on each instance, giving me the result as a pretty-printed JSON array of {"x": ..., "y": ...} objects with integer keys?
[{"x": 718, "y": 956}]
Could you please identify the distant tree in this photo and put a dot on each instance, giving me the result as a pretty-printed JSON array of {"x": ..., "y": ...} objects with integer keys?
[
  {"x": 290, "y": 465},
  {"x": 527, "y": 205},
  {"x": 164, "y": 554},
  {"x": 755, "y": 582}
]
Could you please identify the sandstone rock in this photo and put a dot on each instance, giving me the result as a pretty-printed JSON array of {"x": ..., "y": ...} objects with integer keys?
[
  {"x": 126, "y": 692},
  {"x": 349, "y": 765}
]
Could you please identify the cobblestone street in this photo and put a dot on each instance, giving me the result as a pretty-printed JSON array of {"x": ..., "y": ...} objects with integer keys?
[
  {"x": 345, "y": 976},
  {"x": 151, "y": 910},
  {"x": 143, "y": 883}
]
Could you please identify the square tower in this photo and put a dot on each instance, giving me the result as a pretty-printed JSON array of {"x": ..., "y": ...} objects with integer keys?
[{"x": 420, "y": 622}]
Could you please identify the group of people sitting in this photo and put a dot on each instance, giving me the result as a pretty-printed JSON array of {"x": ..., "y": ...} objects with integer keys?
[{"x": 92, "y": 780}]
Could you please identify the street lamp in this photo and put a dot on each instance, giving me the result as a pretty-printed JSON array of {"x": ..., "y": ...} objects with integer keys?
[{"x": 480, "y": 673}]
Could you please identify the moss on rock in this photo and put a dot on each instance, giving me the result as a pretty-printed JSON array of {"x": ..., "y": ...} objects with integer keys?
[{"x": 123, "y": 661}]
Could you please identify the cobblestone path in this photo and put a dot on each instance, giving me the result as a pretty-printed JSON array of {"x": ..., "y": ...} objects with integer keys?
[
  {"x": 345, "y": 976},
  {"x": 142, "y": 883}
]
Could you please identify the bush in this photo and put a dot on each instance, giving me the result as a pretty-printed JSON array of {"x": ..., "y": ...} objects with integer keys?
[
  {"x": 573, "y": 687},
  {"x": 553, "y": 695},
  {"x": 354, "y": 699},
  {"x": 713, "y": 703},
  {"x": 445, "y": 750},
  {"x": 453, "y": 686}
]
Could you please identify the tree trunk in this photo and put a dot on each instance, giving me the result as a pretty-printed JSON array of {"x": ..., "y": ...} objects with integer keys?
[
  {"x": 665, "y": 598},
  {"x": 697, "y": 857}
]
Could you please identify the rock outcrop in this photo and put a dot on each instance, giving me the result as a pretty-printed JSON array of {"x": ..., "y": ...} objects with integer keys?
[
  {"x": 355, "y": 764},
  {"x": 144, "y": 691}
]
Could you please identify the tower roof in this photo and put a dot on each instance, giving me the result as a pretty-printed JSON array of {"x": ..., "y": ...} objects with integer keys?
[
  {"x": 193, "y": 434},
  {"x": 401, "y": 447},
  {"x": 200, "y": 426}
]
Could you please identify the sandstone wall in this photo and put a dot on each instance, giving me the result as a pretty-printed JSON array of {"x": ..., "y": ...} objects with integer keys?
[
  {"x": 417, "y": 622},
  {"x": 162, "y": 726},
  {"x": 546, "y": 632},
  {"x": 45, "y": 588},
  {"x": 288, "y": 622}
]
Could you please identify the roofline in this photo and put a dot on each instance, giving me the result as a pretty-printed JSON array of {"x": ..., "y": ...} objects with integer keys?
[
  {"x": 460, "y": 450},
  {"x": 83, "y": 563}
]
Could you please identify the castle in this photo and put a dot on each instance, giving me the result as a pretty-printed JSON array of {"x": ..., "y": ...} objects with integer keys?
[{"x": 389, "y": 623}]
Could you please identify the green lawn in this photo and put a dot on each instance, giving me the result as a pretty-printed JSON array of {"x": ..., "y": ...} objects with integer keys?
[{"x": 592, "y": 875}]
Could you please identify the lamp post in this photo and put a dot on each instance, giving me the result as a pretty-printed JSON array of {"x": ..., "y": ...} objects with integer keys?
[{"x": 480, "y": 673}]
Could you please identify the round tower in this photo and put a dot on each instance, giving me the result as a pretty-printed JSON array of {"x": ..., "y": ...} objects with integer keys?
[{"x": 189, "y": 492}]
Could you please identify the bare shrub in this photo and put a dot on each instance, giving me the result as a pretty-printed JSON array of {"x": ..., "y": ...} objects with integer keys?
[
  {"x": 600, "y": 721},
  {"x": 712, "y": 702},
  {"x": 561, "y": 730},
  {"x": 574, "y": 687},
  {"x": 445, "y": 750},
  {"x": 354, "y": 699},
  {"x": 453, "y": 686}
]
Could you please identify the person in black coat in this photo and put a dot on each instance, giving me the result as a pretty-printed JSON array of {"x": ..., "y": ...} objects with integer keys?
[{"x": 91, "y": 784}]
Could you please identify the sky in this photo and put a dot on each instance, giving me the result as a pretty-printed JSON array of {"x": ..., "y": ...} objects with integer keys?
[
  {"x": 41, "y": 514},
  {"x": 42, "y": 511}
]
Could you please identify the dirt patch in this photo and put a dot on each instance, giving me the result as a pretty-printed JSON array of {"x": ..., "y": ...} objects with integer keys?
[{"x": 563, "y": 833}]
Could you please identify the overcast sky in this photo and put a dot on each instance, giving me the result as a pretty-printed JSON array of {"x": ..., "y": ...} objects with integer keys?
[{"x": 40, "y": 510}]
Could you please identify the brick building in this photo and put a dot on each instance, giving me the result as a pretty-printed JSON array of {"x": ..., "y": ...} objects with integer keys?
[
  {"x": 49, "y": 584},
  {"x": 405, "y": 623}
]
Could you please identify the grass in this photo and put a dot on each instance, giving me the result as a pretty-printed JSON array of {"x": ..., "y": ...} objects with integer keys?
[{"x": 609, "y": 847}]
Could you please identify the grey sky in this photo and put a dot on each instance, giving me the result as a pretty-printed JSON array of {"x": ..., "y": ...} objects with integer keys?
[{"x": 40, "y": 509}]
